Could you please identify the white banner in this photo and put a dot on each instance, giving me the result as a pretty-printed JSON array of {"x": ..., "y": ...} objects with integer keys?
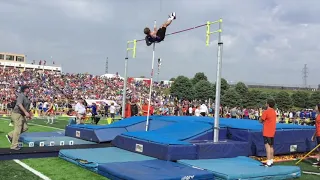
[{"x": 101, "y": 102}]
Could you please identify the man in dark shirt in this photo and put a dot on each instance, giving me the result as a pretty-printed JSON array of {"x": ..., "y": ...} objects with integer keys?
[
  {"x": 106, "y": 109},
  {"x": 158, "y": 35},
  {"x": 19, "y": 116},
  {"x": 134, "y": 109}
]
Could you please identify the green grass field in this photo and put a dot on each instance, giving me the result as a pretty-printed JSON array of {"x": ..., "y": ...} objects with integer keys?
[{"x": 58, "y": 169}]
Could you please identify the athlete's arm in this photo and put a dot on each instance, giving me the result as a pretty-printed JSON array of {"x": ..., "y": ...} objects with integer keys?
[
  {"x": 147, "y": 41},
  {"x": 263, "y": 117},
  {"x": 154, "y": 33}
]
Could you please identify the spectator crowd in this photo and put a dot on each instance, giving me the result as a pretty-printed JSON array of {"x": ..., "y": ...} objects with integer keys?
[{"x": 64, "y": 90}]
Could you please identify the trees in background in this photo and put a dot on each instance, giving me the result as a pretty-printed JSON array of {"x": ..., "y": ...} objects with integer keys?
[{"x": 199, "y": 88}]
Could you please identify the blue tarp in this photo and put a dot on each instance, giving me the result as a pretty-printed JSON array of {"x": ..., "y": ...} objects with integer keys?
[
  {"x": 91, "y": 158},
  {"x": 152, "y": 169},
  {"x": 244, "y": 168}
]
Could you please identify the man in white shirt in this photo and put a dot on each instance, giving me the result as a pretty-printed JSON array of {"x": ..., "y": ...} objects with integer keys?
[
  {"x": 113, "y": 110},
  {"x": 197, "y": 111},
  {"x": 203, "y": 110},
  {"x": 190, "y": 111},
  {"x": 81, "y": 111}
]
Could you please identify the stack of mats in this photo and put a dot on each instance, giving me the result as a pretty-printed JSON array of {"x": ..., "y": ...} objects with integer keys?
[
  {"x": 106, "y": 133},
  {"x": 243, "y": 168},
  {"x": 50, "y": 139},
  {"x": 118, "y": 164},
  {"x": 176, "y": 142}
]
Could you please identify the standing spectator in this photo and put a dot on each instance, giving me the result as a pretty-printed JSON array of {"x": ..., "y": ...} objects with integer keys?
[
  {"x": 94, "y": 113},
  {"x": 81, "y": 111},
  {"x": 203, "y": 110},
  {"x": 134, "y": 109},
  {"x": 190, "y": 111},
  {"x": 112, "y": 111},
  {"x": 145, "y": 108},
  {"x": 106, "y": 109},
  {"x": 176, "y": 110},
  {"x": 19, "y": 116},
  {"x": 233, "y": 112},
  {"x": 127, "y": 113}
]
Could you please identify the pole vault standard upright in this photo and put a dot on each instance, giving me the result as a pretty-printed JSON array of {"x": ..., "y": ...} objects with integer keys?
[
  {"x": 218, "y": 80},
  {"x": 219, "y": 66}
]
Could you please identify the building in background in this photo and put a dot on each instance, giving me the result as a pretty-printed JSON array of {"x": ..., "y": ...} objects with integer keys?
[{"x": 12, "y": 60}]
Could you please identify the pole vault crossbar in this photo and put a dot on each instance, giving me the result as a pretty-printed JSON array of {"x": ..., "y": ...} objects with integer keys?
[{"x": 219, "y": 66}]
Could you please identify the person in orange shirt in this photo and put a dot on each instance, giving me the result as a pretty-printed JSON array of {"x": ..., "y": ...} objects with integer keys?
[
  {"x": 145, "y": 108},
  {"x": 316, "y": 135},
  {"x": 127, "y": 112},
  {"x": 269, "y": 120}
]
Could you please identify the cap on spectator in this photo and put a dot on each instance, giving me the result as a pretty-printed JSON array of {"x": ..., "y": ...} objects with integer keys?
[{"x": 23, "y": 88}]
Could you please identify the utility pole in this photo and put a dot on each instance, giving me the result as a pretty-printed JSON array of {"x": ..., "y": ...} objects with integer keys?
[{"x": 305, "y": 75}]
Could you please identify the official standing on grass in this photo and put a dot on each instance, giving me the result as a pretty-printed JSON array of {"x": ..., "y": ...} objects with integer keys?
[
  {"x": 269, "y": 120},
  {"x": 20, "y": 115}
]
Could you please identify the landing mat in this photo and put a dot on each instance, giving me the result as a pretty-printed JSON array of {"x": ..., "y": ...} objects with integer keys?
[
  {"x": 152, "y": 169},
  {"x": 91, "y": 158},
  {"x": 244, "y": 168}
]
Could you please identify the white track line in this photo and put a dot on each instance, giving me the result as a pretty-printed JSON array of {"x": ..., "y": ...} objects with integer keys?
[
  {"x": 45, "y": 126},
  {"x": 39, "y": 174},
  {"x": 313, "y": 173}
]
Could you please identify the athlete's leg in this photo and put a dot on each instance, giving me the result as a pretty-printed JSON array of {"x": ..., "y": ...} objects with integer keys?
[
  {"x": 172, "y": 16},
  {"x": 52, "y": 119}
]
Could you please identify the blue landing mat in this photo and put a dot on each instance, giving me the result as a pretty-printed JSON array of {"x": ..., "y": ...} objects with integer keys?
[
  {"x": 57, "y": 141},
  {"x": 172, "y": 134},
  {"x": 152, "y": 170},
  {"x": 106, "y": 133},
  {"x": 243, "y": 168},
  {"x": 91, "y": 158}
]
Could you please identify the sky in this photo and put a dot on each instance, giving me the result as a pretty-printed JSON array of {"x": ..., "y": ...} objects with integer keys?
[{"x": 265, "y": 42}]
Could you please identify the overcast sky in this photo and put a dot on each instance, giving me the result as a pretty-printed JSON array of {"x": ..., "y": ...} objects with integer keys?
[{"x": 265, "y": 41}]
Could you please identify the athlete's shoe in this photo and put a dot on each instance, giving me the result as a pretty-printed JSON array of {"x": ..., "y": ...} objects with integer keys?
[
  {"x": 9, "y": 138},
  {"x": 266, "y": 165},
  {"x": 173, "y": 15},
  {"x": 316, "y": 164}
]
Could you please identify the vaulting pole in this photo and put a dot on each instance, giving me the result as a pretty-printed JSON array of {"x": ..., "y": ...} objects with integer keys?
[{"x": 151, "y": 83}]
